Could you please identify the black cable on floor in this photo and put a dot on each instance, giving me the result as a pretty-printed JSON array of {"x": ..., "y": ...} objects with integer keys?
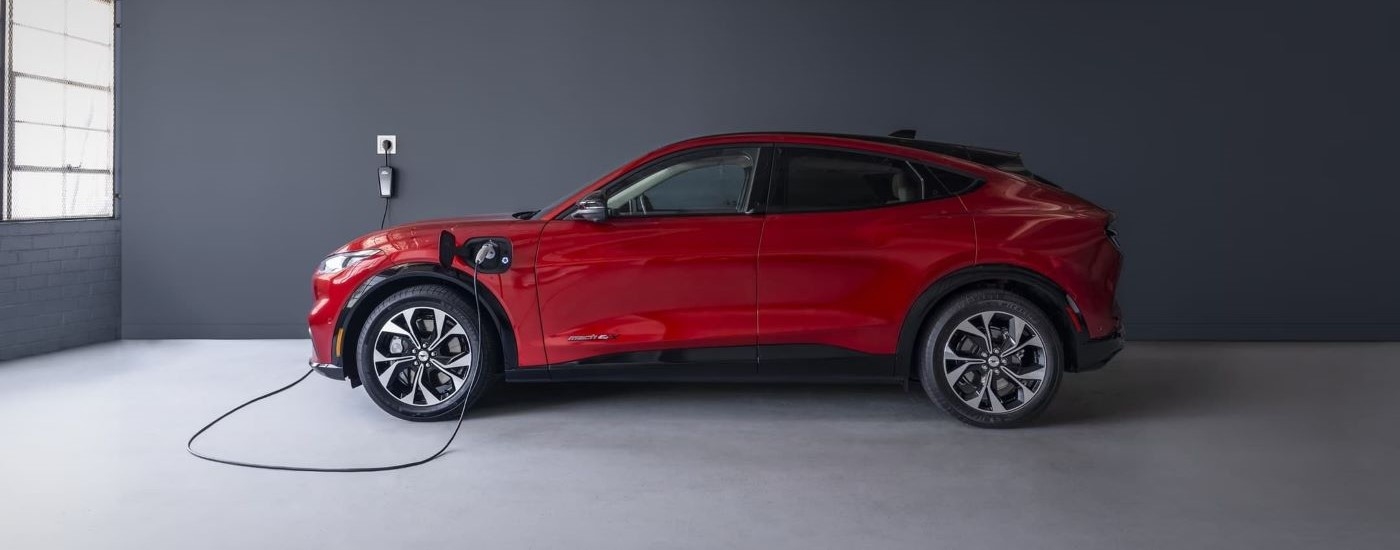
[{"x": 189, "y": 445}]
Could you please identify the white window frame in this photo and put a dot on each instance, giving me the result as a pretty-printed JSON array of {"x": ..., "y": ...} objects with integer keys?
[{"x": 6, "y": 210}]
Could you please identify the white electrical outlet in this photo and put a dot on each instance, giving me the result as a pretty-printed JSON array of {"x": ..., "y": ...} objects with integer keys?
[{"x": 379, "y": 145}]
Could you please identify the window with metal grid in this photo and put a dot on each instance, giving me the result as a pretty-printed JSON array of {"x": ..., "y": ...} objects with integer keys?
[{"x": 58, "y": 109}]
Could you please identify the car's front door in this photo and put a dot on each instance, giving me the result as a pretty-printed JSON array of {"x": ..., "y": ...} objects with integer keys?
[{"x": 667, "y": 281}]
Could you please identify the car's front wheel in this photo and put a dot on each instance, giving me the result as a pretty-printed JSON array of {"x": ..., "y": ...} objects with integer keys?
[
  {"x": 991, "y": 359},
  {"x": 421, "y": 354}
]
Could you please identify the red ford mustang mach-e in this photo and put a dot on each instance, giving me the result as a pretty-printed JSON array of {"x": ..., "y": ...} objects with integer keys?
[{"x": 757, "y": 256}]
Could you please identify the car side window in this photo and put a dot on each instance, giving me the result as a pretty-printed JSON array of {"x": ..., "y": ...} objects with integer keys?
[
  {"x": 713, "y": 181},
  {"x": 952, "y": 183},
  {"x": 811, "y": 180}
]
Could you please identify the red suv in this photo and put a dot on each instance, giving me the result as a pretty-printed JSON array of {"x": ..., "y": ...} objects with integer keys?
[{"x": 742, "y": 257}]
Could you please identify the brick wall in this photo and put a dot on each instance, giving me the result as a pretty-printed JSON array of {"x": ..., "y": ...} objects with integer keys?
[{"x": 59, "y": 285}]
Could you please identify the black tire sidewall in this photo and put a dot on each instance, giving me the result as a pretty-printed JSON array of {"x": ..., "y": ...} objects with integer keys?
[
  {"x": 934, "y": 380},
  {"x": 449, "y": 302}
]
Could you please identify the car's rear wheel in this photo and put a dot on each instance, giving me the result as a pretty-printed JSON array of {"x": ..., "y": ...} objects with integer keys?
[
  {"x": 421, "y": 355},
  {"x": 991, "y": 359}
]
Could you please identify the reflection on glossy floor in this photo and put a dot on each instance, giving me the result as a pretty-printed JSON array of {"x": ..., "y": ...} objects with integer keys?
[{"x": 1174, "y": 445}]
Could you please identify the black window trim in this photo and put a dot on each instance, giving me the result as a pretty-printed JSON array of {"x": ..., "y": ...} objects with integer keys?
[
  {"x": 757, "y": 188},
  {"x": 912, "y": 165},
  {"x": 976, "y": 181}
]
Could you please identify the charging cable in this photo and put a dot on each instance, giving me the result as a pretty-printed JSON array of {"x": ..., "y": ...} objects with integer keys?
[
  {"x": 486, "y": 252},
  {"x": 189, "y": 445}
]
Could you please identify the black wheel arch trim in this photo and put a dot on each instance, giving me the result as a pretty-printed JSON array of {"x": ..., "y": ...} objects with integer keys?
[
  {"x": 380, "y": 285},
  {"x": 1045, "y": 293}
]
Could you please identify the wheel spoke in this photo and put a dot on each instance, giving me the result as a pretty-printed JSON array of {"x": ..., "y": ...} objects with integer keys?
[
  {"x": 1037, "y": 374},
  {"x": 430, "y": 398},
  {"x": 465, "y": 360},
  {"x": 951, "y": 355},
  {"x": 1034, "y": 341},
  {"x": 968, "y": 327},
  {"x": 389, "y": 326},
  {"x": 457, "y": 381},
  {"x": 1025, "y": 392},
  {"x": 976, "y": 401},
  {"x": 456, "y": 330},
  {"x": 1016, "y": 327},
  {"x": 414, "y": 385},
  {"x": 380, "y": 358},
  {"x": 987, "y": 326},
  {"x": 389, "y": 371},
  {"x": 956, "y": 374},
  {"x": 997, "y": 407}
]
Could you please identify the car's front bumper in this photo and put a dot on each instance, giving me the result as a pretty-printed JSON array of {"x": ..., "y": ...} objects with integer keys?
[
  {"x": 1094, "y": 354},
  {"x": 334, "y": 372}
]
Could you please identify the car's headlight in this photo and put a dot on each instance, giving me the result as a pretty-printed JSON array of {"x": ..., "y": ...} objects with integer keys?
[{"x": 340, "y": 261}]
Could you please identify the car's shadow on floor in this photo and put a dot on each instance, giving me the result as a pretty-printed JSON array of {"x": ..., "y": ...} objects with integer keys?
[
  {"x": 708, "y": 400},
  {"x": 1127, "y": 390},
  {"x": 1137, "y": 388}
]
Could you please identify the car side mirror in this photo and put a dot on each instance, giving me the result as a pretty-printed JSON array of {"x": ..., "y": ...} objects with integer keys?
[{"x": 592, "y": 207}]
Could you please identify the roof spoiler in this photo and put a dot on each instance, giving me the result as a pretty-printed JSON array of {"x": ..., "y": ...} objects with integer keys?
[{"x": 1007, "y": 161}]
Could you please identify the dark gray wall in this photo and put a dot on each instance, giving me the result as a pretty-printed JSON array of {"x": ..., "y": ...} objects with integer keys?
[
  {"x": 1245, "y": 147},
  {"x": 58, "y": 285}
]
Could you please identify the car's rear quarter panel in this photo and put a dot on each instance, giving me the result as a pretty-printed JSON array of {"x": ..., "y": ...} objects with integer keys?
[{"x": 1053, "y": 233}]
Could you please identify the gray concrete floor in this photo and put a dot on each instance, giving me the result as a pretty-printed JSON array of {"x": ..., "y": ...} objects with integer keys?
[{"x": 1175, "y": 445}]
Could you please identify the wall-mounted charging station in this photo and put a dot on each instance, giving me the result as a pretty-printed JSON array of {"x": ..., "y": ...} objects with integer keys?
[
  {"x": 386, "y": 145},
  {"x": 386, "y": 181}
]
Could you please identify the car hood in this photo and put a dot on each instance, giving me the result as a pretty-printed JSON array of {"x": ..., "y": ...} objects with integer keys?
[{"x": 424, "y": 233}]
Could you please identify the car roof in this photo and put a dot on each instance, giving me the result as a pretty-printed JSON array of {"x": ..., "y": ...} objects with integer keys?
[
  {"x": 959, "y": 156},
  {"x": 1008, "y": 161}
]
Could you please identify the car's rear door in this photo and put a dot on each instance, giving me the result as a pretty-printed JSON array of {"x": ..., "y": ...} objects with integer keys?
[
  {"x": 849, "y": 241},
  {"x": 667, "y": 282}
]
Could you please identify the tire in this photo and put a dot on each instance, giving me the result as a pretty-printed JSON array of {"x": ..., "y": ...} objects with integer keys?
[
  {"x": 954, "y": 345},
  {"x": 411, "y": 381}
]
